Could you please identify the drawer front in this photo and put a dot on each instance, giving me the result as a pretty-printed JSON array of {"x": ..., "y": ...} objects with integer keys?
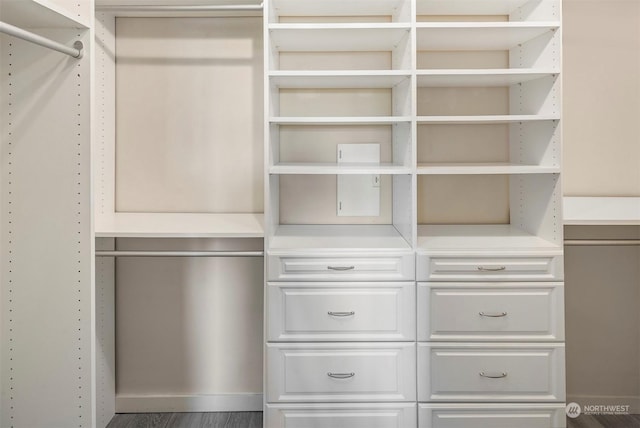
[
  {"x": 497, "y": 311},
  {"x": 336, "y": 311},
  {"x": 534, "y": 268},
  {"x": 491, "y": 416},
  {"x": 342, "y": 268},
  {"x": 333, "y": 372},
  {"x": 491, "y": 372},
  {"x": 379, "y": 415}
]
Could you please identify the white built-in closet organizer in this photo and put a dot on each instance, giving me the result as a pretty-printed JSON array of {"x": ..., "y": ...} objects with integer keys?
[{"x": 397, "y": 163}]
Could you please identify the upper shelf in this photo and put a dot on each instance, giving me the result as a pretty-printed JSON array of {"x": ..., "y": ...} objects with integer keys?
[
  {"x": 339, "y": 120},
  {"x": 484, "y": 168},
  {"x": 337, "y": 7},
  {"x": 338, "y": 169},
  {"x": 488, "y": 119},
  {"x": 484, "y": 77},
  {"x": 39, "y": 14},
  {"x": 339, "y": 79},
  {"x": 479, "y": 35},
  {"x": 179, "y": 225},
  {"x": 469, "y": 7},
  {"x": 620, "y": 211},
  {"x": 337, "y": 37}
]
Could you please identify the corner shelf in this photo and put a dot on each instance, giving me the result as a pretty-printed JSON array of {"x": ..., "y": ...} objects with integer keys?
[
  {"x": 39, "y": 14},
  {"x": 594, "y": 211},
  {"x": 339, "y": 79},
  {"x": 179, "y": 225},
  {"x": 479, "y": 35},
  {"x": 301, "y": 168}
]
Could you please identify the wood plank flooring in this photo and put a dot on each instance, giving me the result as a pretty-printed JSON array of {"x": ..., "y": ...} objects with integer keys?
[{"x": 254, "y": 420}]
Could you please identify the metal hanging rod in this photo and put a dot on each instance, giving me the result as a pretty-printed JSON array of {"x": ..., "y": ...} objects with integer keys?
[
  {"x": 602, "y": 242},
  {"x": 177, "y": 8},
  {"x": 75, "y": 51},
  {"x": 117, "y": 253}
]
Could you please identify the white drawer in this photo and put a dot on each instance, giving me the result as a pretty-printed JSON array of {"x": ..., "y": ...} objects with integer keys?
[
  {"x": 491, "y": 372},
  {"x": 335, "y": 372},
  {"x": 341, "y": 267},
  {"x": 491, "y": 311},
  {"x": 341, "y": 311},
  {"x": 491, "y": 416},
  {"x": 502, "y": 268},
  {"x": 353, "y": 415}
]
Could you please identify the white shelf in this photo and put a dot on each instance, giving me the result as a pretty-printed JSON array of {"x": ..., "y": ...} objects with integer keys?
[
  {"x": 619, "y": 211},
  {"x": 336, "y": 7},
  {"x": 473, "y": 78},
  {"x": 489, "y": 119},
  {"x": 337, "y": 37},
  {"x": 339, "y": 237},
  {"x": 348, "y": 120},
  {"x": 176, "y": 225},
  {"x": 31, "y": 14},
  {"x": 339, "y": 79},
  {"x": 479, "y": 35},
  {"x": 338, "y": 169},
  {"x": 485, "y": 237},
  {"x": 484, "y": 168},
  {"x": 468, "y": 7}
]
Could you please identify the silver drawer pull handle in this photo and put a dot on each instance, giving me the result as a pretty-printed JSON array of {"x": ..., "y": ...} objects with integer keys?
[
  {"x": 341, "y": 375},
  {"x": 341, "y": 267},
  {"x": 500, "y": 315},
  {"x": 341, "y": 314},
  {"x": 496, "y": 269},
  {"x": 501, "y": 375}
]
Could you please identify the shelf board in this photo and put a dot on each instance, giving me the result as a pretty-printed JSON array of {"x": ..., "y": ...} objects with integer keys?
[
  {"x": 479, "y": 35},
  {"x": 473, "y": 78},
  {"x": 339, "y": 79},
  {"x": 347, "y": 120},
  {"x": 592, "y": 211},
  {"x": 479, "y": 238},
  {"x": 484, "y": 168},
  {"x": 336, "y": 7},
  {"x": 338, "y": 169},
  {"x": 30, "y": 14},
  {"x": 489, "y": 119},
  {"x": 337, "y": 37},
  {"x": 177, "y": 225},
  {"x": 468, "y": 7},
  {"x": 338, "y": 237}
]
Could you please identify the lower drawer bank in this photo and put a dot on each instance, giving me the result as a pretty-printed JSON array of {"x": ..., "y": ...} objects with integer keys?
[
  {"x": 340, "y": 372},
  {"x": 502, "y": 415}
]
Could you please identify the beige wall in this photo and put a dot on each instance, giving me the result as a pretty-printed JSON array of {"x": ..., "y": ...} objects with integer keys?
[{"x": 601, "y": 97}]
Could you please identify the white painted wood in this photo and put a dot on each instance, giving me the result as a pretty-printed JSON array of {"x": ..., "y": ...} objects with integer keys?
[
  {"x": 503, "y": 415},
  {"x": 337, "y": 266},
  {"x": 601, "y": 210},
  {"x": 352, "y": 120},
  {"x": 337, "y": 7},
  {"x": 47, "y": 243},
  {"x": 525, "y": 372},
  {"x": 485, "y": 119},
  {"x": 358, "y": 195},
  {"x": 180, "y": 225},
  {"x": 245, "y": 402},
  {"x": 484, "y": 168},
  {"x": 478, "y": 239},
  {"x": 339, "y": 169},
  {"x": 512, "y": 311},
  {"x": 41, "y": 14},
  {"x": 341, "y": 311},
  {"x": 340, "y": 415},
  {"x": 301, "y": 372},
  {"x": 327, "y": 239},
  {"x": 486, "y": 36},
  {"x": 338, "y": 79},
  {"x": 469, "y": 7},
  {"x": 478, "y": 78},
  {"x": 490, "y": 268}
]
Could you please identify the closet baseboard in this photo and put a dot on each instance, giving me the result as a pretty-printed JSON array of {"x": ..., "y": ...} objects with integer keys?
[{"x": 189, "y": 403}]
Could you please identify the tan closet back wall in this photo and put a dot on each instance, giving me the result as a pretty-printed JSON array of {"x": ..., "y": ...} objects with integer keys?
[{"x": 601, "y": 86}]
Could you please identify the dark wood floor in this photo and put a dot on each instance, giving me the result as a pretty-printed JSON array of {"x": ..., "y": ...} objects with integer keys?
[{"x": 254, "y": 420}]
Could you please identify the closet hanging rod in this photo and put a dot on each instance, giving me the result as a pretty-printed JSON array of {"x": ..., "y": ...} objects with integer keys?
[
  {"x": 11, "y": 30},
  {"x": 177, "y": 8},
  {"x": 602, "y": 242},
  {"x": 122, "y": 253}
]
